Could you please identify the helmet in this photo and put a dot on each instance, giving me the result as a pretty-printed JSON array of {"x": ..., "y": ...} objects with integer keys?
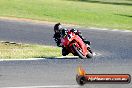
[
  {"x": 57, "y": 27},
  {"x": 64, "y": 32}
]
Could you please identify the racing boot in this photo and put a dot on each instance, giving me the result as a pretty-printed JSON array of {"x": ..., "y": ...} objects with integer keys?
[
  {"x": 88, "y": 45},
  {"x": 89, "y": 48},
  {"x": 64, "y": 51}
]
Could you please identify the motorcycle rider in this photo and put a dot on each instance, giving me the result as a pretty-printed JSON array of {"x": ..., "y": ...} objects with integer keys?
[{"x": 59, "y": 31}]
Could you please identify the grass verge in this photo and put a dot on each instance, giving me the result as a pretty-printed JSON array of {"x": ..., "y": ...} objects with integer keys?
[
  {"x": 23, "y": 51},
  {"x": 90, "y": 13}
]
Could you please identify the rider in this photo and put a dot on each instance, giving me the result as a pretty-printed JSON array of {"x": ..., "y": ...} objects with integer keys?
[{"x": 58, "y": 29}]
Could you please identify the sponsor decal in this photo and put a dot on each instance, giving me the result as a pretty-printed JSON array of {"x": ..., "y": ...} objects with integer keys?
[{"x": 82, "y": 78}]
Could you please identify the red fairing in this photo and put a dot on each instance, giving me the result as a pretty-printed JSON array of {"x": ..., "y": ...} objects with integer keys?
[{"x": 71, "y": 39}]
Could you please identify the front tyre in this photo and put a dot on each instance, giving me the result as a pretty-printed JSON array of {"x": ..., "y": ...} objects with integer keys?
[{"x": 78, "y": 52}]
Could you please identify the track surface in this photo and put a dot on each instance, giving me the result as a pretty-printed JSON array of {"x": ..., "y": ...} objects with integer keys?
[{"x": 113, "y": 48}]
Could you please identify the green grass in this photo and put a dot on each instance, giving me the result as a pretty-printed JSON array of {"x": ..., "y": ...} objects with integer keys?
[
  {"x": 90, "y": 13},
  {"x": 23, "y": 51}
]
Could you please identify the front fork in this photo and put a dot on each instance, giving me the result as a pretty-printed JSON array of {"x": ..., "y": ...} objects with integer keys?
[{"x": 72, "y": 50}]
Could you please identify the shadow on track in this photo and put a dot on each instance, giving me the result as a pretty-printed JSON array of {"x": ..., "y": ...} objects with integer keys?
[{"x": 65, "y": 57}]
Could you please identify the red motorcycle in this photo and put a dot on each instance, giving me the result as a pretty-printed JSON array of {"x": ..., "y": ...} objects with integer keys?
[{"x": 76, "y": 46}]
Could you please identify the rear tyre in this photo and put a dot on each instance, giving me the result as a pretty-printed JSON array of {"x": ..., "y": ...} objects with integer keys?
[{"x": 64, "y": 51}]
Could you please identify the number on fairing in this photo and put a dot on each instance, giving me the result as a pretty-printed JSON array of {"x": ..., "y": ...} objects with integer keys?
[{"x": 70, "y": 36}]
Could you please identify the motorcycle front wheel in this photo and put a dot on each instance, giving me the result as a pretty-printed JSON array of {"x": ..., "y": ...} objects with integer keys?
[{"x": 78, "y": 52}]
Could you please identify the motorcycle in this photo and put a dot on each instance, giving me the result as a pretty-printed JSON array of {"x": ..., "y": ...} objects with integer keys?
[{"x": 75, "y": 45}]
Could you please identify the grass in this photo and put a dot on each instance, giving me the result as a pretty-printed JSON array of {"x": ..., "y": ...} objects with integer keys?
[
  {"x": 20, "y": 51},
  {"x": 90, "y": 13}
]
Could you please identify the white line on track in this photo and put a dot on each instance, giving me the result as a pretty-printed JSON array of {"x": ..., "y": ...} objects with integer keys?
[
  {"x": 70, "y": 25},
  {"x": 94, "y": 54},
  {"x": 21, "y": 59},
  {"x": 49, "y": 86},
  {"x": 106, "y": 29}
]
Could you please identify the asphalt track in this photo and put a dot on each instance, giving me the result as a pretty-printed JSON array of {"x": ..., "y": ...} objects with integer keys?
[{"x": 113, "y": 49}]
